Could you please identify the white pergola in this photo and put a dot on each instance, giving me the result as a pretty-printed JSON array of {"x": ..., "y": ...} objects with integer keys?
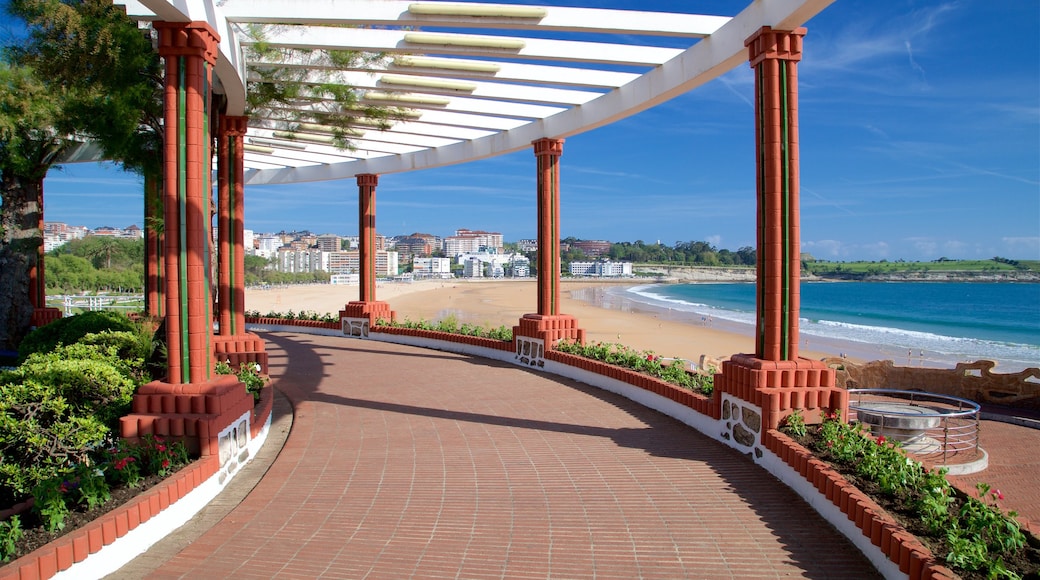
[{"x": 476, "y": 80}]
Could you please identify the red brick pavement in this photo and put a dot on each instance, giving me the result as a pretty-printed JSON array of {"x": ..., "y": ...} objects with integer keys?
[{"x": 410, "y": 463}]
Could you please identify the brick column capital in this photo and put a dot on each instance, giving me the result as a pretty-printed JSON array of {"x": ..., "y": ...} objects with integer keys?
[
  {"x": 187, "y": 39},
  {"x": 232, "y": 126},
  {"x": 767, "y": 43},
  {"x": 368, "y": 180},
  {"x": 548, "y": 146}
]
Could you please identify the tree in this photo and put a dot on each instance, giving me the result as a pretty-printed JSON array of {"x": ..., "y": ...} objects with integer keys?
[
  {"x": 29, "y": 145},
  {"x": 60, "y": 81}
]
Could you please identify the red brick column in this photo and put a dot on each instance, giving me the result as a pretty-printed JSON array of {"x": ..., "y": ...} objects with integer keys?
[
  {"x": 153, "y": 245},
  {"x": 548, "y": 152},
  {"x": 189, "y": 50},
  {"x": 775, "y": 378},
  {"x": 37, "y": 286},
  {"x": 366, "y": 305},
  {"x": 230, "y": 220},
  {"x": 37, "y": 278},
  {"x": 774, "y": 55},
  {"x": 367, "y": 236},
  {"x": 549, "y": 324}
]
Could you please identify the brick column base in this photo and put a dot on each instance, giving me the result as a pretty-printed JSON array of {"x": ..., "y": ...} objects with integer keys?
[
  {"x": 236, "y": 349},
  {"x": 212, "y": 418},
  {"x": 537, "y": 333},
  {"x": 358, "y": 317},
  {"x": 45, "y": 316},
  {"x": 777, "y": 388}
]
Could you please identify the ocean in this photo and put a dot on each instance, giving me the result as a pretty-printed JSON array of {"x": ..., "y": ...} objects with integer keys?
[{"x": 934, "y": 324}]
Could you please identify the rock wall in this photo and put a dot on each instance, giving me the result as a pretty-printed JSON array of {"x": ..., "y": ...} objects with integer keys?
[{"x": 974, "y": 381}]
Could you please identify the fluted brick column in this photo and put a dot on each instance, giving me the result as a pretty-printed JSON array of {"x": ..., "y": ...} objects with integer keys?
[
  {"x": 367, "y": 236},
  {"x": 153, "y": 245},
  {"x": 230, "y": 224},
  {"x": 366, "y": 306},
  {"x": 37, "y": 286},
  {"x": 775, "y": 378},
  {"x": 548, "y": 324},
  {"x": 774, "y": 56},
  {"x": 189, "y": 50},
  {"x": 37, "y": 274}
]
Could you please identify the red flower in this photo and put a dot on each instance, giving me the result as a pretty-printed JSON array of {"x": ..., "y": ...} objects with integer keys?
[
  {"x": 121, "y": 464},
  {"x": 165, "y": 463},
  {"x": 881, "y": 440},
  {"x": 160, "y": 447},
  {"x": 997, "y": 494}
]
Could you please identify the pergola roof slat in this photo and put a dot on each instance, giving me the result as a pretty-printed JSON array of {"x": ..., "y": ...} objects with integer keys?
[{"x": 480, "y": 79}]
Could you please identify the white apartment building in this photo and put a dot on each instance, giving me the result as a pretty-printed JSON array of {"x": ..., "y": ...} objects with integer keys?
[
  {"x": 472, "y": 241},
  {"x": 601, "y": 269},
  {"x": 472, "y": 267},
  {"x": 301, "y": 261},
  {"x": 497, "y": 264},
  {"x": 431, "y": 268},
  {"x": 267, "y": 245},
  {"x": 527, "y": 245}
]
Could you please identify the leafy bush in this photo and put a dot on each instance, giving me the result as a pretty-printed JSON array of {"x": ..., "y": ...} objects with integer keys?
[
  {"x": 450, "y": 324},
  {"x": 88, "y": 484},
  {"x": 41, "y": 434},
  {"x": 10, "y": 533},
  {"x": 94, "y": 380},
  {"x": 980, "y": 536},
  {"x": 248, "y": 374},
  {"x": 71, "y": 329},
  {"x": 56, "y": 407},
  {"x": 644, "y": 362}
]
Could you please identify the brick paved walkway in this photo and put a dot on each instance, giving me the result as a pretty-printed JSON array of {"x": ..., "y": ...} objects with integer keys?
[{"x": 410, "y": 463}]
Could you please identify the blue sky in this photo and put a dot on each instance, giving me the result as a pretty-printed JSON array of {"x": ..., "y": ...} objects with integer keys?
[{"x": 920, "y": 138}]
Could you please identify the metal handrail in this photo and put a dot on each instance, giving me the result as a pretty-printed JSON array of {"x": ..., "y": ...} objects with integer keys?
[{"x": 957, "y": 427}]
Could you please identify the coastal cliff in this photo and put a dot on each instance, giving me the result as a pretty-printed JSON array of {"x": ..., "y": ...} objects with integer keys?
[{"x": 682, "y": 274}]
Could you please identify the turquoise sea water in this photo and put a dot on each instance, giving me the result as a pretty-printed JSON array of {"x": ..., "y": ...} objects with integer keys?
[{"x": 926, "y": 322}]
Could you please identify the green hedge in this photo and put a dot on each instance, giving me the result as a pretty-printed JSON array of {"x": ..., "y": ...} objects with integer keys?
[{"x": 59, "y": 405}]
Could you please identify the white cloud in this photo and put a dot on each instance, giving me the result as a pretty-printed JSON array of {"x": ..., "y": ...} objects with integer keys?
[{"x": 1027, "y": 247}]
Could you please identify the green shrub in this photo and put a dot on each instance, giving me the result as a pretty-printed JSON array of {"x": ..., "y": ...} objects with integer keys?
[
  {"x": 71, "y": 329},
  {"x": 92, "y": 379},
  {"x": 41, "y": 434},
  {"x": 57, "y": 406},
  {"x": 10, "y": 533},
  {"x": 248, "y": 374}
]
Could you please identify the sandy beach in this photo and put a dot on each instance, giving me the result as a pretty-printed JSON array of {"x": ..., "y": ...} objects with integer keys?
[{"x": 503, "y": 302}]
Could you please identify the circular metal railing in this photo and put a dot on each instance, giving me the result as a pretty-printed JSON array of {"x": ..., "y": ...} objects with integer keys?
[{"x": 923, "y": 423}]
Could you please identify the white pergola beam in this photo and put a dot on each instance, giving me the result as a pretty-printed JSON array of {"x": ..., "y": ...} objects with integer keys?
[{"x": 395, "y": 13}]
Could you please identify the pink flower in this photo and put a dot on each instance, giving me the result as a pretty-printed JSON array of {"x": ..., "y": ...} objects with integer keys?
[
  {"x": 160, "y": 447},
  {"x": 997, "y": 494}
]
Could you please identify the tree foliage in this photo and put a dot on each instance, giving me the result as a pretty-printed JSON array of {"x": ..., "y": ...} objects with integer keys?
[
  {"x": 110, "y": 74},
  {"x": 309, "y": 96}
]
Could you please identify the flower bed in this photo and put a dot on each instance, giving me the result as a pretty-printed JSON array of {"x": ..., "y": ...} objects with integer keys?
[{"x": 972, "y": 535}]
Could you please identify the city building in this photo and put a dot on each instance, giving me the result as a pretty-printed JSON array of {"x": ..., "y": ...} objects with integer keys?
[
  {"x": 267, "y": 245},
  {"x": 328, "y": 243},
  {"x": 298, "y": 261},
  {"x": 471, "y": 241},
  {"x": 413, "y": 246},
  {"x": 349, "y": 262},
  {"x": 603, "y": 269},
  {"x": 527, "y": 245},
  {"x": 495, "y": 265},
  {"x": 431, "y": 268},
  {"x": 592, "y": 248}
]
